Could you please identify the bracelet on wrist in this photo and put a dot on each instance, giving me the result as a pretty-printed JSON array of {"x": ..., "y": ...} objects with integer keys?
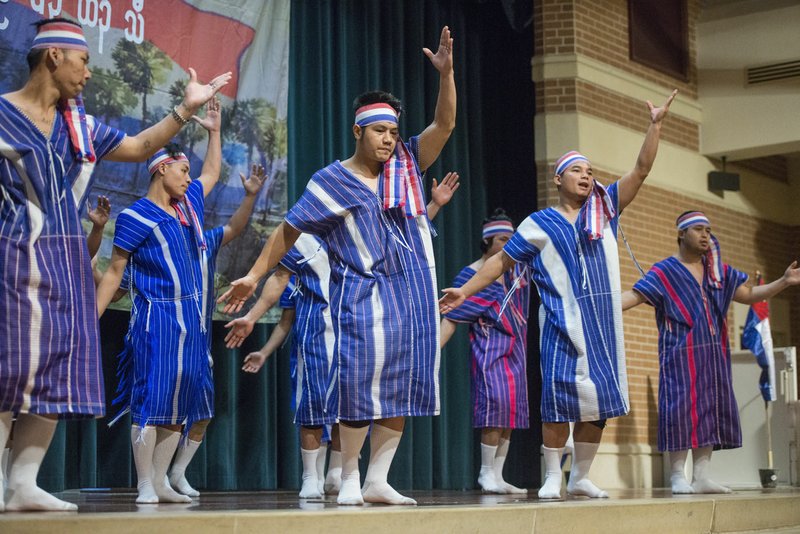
[{"x": 180, "y": 119}]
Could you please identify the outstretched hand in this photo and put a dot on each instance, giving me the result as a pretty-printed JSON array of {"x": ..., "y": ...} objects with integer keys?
[
  {"x": 452, "y": 299},
  {"x": 792, "y": 274},
  {"x": 658, "y": 114},
  {"x": 213, "y": 119},
  {"x": 239, "y": 292},
  {"x": 442, "y": 60},
  {"x": 100, "y": 215},
  {"x": 253, "y": 362},
  {"x": 239, "y": 330},
  {"x": 253, "y": 183},
  {"x": 441, "y": 193},
  {"x": 197, "y": 94}
]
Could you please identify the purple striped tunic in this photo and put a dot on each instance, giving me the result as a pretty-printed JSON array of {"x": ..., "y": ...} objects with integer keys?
[
  {"x": 49, "y": 343},
  {"x": 498, "y": 344},
  {"x": 696, "y": 406}
]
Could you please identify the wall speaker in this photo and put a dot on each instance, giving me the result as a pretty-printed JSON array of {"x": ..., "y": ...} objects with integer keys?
[{"x": 723, "y": 181}]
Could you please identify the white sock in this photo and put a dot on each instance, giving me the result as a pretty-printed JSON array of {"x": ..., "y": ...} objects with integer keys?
[
  {"x": 551, "y": 489},
  {"x": 352, "y": 439},
  {"x": 333, "y": 479},
  {"x": 499, "y": 462},
  {"x": 486, "y": 478},
  {"x": 323, "y": 452},
  {"x": 310, "y": 488},
  {"x": 579, "y": 483},
  {"x": 383, "y": 444},
  {"x": 32, "y": 436},
  {"x": 5, "y": 431},
  {"x": 677, "y": 477},
  {"x": 143, "y": 441},
  {"x": 177, "y": 474},
  {"x": 166, "y": 443},
  {"x": 700, "y": 481}
]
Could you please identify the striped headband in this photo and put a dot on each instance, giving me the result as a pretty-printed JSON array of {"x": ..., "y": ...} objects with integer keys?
[
  {"x": 568, "y": 159},
  {"x": 366, "y": 115},
  {"x": 690, "y": 219},
  {"x": 162, "y": 156},
  {"x": 494, "y": 228},
  {"x": 59, "y": 34}
]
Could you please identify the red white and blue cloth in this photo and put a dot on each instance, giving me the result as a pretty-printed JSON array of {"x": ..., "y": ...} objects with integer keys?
[
  {"x": 713, "y": 258},
  {"x": 757, "y": 338},
  {"x": 400, "y": 184},
  {"x": 59, "y": 34},
  {"x": 494, "y": 228}
]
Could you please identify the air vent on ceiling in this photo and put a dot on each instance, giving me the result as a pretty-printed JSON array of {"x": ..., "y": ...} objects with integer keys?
[{"x": 786, "y": 70}]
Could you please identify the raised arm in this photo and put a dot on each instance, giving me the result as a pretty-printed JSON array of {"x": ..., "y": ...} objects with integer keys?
[
  {"x": 488, "y": 273},
  {"x": 630, "y": 183},
  {"x": 111, "y": 279},
  {"x": 631, "y": 299},
  {"x": 238, "y": 221},
  {"x": 750, "y": 295},
  {"x": 276, "y": 247},
  {"x": 434, "y": 137},
  {"x": 270, "y": 295},
  {"x": 212, "y": 164},
  {"x": 98, "y": 217},
  {"x": 141, "y": 146},
  {"x": 254, "y": 360},
  {"x": 441, "y": 193}
]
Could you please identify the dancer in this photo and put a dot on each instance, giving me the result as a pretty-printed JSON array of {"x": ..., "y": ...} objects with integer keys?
[
  {"x": 498, "y": 334},
  {"x": 165, "y": 377},
  {"x": 691, "y": 292},
  {"x": 369, "y": 211},
  {"x": 51, "y": 148},
  {"x": 572, "y": 252},
  {"x": 313, "y": 343}
]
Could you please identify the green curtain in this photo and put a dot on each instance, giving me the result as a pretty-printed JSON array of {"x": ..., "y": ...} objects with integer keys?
[{"x": 339, "y": 49}]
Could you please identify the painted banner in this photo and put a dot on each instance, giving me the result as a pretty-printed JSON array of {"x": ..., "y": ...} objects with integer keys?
[{"x": 140, "y": 53}]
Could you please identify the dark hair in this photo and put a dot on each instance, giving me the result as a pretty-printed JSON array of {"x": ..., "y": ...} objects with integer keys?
[
  {"x": 678, "y": 239},
  {"x": 377, "y": 97},
  {"x": 499, "y": 214},
  {"x": 35, "y": 55},
  {"x": 172, "y": 149}
]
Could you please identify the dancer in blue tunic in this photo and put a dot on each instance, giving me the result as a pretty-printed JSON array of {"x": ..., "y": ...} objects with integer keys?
[
  {"x": 498, "y": 333},
  {"x": 162, "y": 236},
  {"x": 691, "y": 293},
  {"x": 572, "y": 252},
  {"x": 370, "y": 212},
  {"x": 49, "y": 345}
]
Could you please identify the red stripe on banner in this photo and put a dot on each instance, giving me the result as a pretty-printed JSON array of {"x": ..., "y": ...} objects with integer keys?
[{"x": 208, "y": 42}]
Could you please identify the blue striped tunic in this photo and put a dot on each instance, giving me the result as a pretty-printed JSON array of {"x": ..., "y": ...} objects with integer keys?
[
  {"x": 382, "y": 295},
  {"x": 582, "y": 352},
  {"x": 314, "y": 340},
  {"x": 696, "y": 405},
  {"x": 168, "y": 335},
  {"x": 49, "y": 343},
  {"x": 499, "y": 349}
]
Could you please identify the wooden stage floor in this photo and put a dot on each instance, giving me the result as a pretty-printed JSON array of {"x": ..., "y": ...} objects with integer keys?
[{"x": 648, "y": 511}]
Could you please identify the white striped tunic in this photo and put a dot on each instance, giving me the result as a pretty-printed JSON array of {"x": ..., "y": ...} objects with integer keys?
[
  {"x": 383, "y": 298},
  {"x": 165, "y": 376},
  {"x": 580, "y": 318},
  {"x": 49, "y": 343},
  {"x": 314, "y": 340}
]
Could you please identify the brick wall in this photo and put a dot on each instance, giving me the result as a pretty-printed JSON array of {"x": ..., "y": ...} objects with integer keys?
[{"x": 598, "y": 29}]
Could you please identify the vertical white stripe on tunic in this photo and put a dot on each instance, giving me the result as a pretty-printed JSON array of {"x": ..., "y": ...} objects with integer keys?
[
  {"x": 611, "y": 253},
  {"x": 573, "y": 319},
  {"x": 179, "y": 315}
]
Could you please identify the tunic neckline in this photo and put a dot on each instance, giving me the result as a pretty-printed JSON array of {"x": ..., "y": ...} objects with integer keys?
[{"x": 31, "y": 122}]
